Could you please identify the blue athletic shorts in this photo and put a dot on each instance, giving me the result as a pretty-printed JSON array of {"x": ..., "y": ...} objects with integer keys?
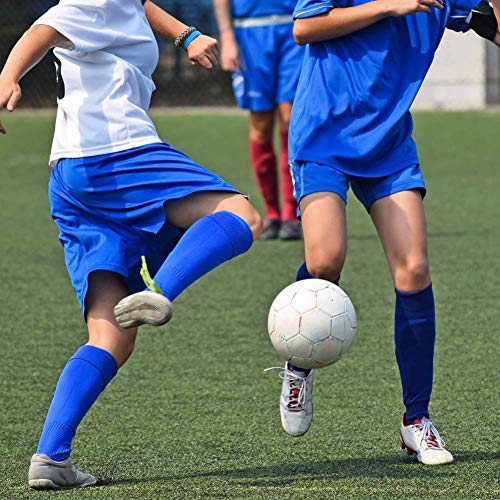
[
  {"x": 110, "y": 209},
  {"x": 309, "y": 177},
  {"x": 271, "y": 67}
]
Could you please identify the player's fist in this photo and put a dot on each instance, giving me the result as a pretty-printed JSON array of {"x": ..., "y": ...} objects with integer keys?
[
  {"x": 10, "y": 93},
  {"x": 204, "y": 51},
  {"x": 230, "y": 53},
  {"x": 398, "y": 8}
]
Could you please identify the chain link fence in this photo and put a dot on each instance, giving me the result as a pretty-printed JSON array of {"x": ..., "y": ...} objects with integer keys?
[{"x": 178, "y": 82}]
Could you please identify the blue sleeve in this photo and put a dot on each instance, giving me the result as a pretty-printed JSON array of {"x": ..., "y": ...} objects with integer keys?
[
  {"x": 311, "y": 8},
  {"x": 460, "y": 12}
]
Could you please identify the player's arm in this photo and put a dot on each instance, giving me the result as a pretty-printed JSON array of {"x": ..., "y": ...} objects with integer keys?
[
  {"x": 343, "y": 21},
  {"x": 230, "y": 52},
  {"x": 485, "y": 20},
  {"x": 202, "y": 51},
  {"x": 26, "y": 54}
]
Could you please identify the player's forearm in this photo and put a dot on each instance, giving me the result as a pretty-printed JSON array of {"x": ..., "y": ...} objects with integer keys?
[
  {"x": 162, "y": 23},
  {"x": 30, "y": 50},
  {"x": 338, "y": 22},
  {"x": 223, "y": 16}
]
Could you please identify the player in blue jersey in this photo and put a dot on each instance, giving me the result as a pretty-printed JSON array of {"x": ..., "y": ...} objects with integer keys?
[
  {"x": 351, "y": 127},
  {"x": 257, "y": 46},
  {"x": 117, "y": 193}
]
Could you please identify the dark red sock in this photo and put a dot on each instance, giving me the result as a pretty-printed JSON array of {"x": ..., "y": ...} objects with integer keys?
[
  {"x": 263, "y": 161},
  {"x": 289, "y": 203}
]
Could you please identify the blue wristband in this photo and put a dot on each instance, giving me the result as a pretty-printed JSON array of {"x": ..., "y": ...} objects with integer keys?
[{"x": 190, "y": 38}]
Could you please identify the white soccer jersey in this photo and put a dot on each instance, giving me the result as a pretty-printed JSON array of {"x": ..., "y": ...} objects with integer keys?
[{"x": 104, "y": 75}]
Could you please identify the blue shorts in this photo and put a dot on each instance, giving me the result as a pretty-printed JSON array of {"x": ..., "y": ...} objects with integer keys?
[
  {"x": 309, "y": 177},
  {"x": 271, "y": 67},
  {"x": 110, "y": 209}
]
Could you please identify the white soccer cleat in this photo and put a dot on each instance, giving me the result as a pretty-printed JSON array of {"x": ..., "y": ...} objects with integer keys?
[
  {"x": 46, "y": 474},
  {"x": 421, "y": 438},
  {"x": 296, "y": 404},
  {"x": 143, "y": 308}
]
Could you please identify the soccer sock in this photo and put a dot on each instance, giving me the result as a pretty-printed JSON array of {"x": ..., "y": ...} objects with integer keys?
[
  {"x": 263, "y": 161},
  {"x": 289, "y": 203},
  {"x": 208, "y": 243},
  {"x": 415, "y": 333},
  {"x": 303, "y": 274},
  {"x": 84, "y": 377}
]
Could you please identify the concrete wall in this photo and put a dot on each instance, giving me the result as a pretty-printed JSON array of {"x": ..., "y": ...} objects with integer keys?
[{"x": 458, "y": 76}]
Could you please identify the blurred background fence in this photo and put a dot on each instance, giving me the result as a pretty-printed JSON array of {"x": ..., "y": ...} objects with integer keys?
[
  {"x": 178, "y": 82},
  {"x": 465, "y": 75}
]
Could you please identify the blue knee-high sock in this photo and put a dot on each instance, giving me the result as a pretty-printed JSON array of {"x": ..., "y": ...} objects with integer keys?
[
  {"x": 303, "y": 274},
  {"x": 84, "y": 377},
  {"x": 208, "y": 243},
  {"x": 415, "y": 333}
]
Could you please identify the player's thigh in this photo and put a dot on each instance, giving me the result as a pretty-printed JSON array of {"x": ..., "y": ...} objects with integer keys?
[
  {"x": 284, "y": 112},
  {"x": 105, "y": 290},
  {"x": 325, "y": 234},
  {"x": 400, "y": 222},
  {"x": 186, "y": 211},
  {"x": 262, "y": 125}
]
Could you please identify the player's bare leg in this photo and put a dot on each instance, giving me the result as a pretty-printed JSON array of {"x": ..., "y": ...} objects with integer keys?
[
  {"x": 264, "y": 165},
  {"x": 220, "y": 225},
  {"x": 105, "y": 290},
  {"x": 290, "y": 228},
  {"x": 325, "y": 238},
  {"x": 186, "y": 211},
  {"x": 400, "y": 222},
  {"x": 325, "y": 234}
]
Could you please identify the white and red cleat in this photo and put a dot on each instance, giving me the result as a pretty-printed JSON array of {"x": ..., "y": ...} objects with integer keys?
[{"x": 421, "y": 438}]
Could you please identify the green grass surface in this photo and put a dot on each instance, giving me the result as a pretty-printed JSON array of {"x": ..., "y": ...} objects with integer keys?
[{"x": 192, "y": 415}]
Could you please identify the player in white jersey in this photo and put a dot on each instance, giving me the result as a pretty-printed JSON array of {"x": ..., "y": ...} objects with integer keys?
[{"x": 118, "y": 193}]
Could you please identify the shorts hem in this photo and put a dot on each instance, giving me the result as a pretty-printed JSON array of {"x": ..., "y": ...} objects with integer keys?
[{"x": 397, "y": 188}]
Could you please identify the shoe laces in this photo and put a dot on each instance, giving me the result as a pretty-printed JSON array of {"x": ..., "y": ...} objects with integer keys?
[
  {"x": 430, "y": 435},
  {"x": 298, "y": 387}
]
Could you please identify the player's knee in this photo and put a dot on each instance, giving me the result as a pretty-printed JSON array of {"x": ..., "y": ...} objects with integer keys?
[
  {"x": 254, "y": 221},
  {"x": 261, "y": 128},
  {"x": 326, "y": 267},
  {"x": 413, "y": 275}
]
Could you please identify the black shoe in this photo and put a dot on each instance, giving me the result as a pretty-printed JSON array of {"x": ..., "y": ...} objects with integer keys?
[
  {"x": 290, "y": 230},
  {"x": 271, "y": 229}
]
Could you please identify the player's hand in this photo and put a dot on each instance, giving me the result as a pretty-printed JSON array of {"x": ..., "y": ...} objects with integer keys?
[
  {"x": 10, "y": 93},
  {"x": 230, "y": 54},
  {"x": 204, "y": 51},
  {"x": 398, "y": 8}
]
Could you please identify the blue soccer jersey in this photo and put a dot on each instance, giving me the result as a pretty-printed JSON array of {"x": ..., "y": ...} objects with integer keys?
[
  {"x": 351, "y": 110},
  {"x": 257, "y": 8}
]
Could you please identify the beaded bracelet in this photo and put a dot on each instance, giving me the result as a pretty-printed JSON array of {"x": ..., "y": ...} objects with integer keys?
[{"x": 179, "y": 41}]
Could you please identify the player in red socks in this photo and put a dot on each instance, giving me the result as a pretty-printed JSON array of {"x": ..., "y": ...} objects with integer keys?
[{"x": 258, "y": 48}]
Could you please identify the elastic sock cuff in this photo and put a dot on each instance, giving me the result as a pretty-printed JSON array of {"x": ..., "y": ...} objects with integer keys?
[
  {"x": 237, "y": 230},
  {"x": 413, "y": 294},
  {"x": 99, "y": 358}
]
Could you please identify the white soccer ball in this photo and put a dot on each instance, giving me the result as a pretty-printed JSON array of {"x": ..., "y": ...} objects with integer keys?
[{"x": 312, "y": 323}]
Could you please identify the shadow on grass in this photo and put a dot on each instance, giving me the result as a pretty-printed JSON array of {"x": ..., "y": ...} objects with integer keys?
[{"x": 388, "y": 467}]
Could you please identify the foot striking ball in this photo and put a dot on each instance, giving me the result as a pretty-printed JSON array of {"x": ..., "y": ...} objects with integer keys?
[{"x": 312, "y": 323}]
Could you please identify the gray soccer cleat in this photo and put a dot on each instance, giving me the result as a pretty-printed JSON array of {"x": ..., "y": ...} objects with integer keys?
[
  {"x": 271, "y": 229},
  {"x": 46, "y": 474},
  {"x": 143, "y": 308},
  {"x": 290, "y": 230}
]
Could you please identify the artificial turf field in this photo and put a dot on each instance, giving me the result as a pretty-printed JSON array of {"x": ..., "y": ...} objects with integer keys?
[{"x": 192, "y": 415}]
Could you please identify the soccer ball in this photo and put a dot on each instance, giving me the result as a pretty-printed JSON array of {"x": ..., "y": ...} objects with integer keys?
[{"x": 312, "y": 323}]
